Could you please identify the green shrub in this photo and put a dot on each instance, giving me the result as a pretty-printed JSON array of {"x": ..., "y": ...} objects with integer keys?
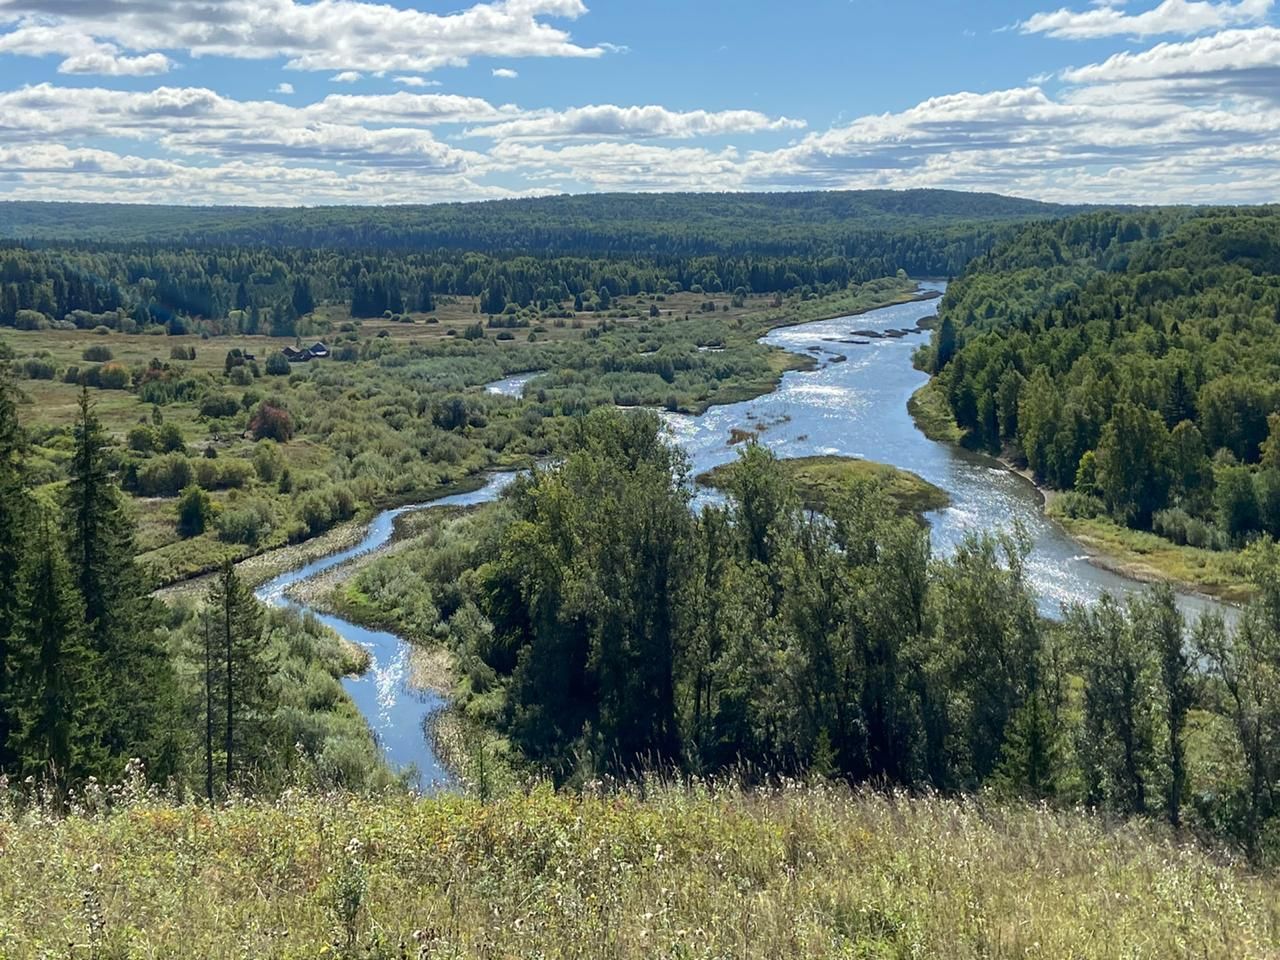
[
  {"x": 165, "y": 476},
  {"x": 97, "y": 353},
  {"x": 194, "y": 511}
]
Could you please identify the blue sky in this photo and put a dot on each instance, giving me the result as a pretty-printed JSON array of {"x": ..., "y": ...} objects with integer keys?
[{"x": 351, "y": 101}]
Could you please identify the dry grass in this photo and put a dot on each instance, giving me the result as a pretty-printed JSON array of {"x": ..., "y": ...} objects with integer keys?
[{"x": 796, "y": 872}]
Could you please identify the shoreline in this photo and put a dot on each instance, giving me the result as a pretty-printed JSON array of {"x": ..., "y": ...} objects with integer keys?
[{"x": 1121, "y": 563}]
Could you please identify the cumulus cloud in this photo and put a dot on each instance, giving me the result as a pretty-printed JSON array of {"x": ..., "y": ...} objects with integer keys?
[
  {"x": 285, "y": 88},
  {"x": 412, "y": 80},
  {"x": 505, "y": 73},
  {"x": 81, "y": 53},
  {"x": 1171, "y": 17},
  {"x": 347, "y": 76},
  {"x": 320, "y": 35},
  {"x": 635, "y": 123}
]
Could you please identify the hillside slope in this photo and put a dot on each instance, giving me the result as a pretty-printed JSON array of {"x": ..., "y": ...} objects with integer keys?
[{"x": 798, "y": 872}]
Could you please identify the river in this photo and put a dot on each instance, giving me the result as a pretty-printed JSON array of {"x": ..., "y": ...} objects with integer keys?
[
  {"x": 853, "y": 404},
  {"x": 397, "y": 713}
]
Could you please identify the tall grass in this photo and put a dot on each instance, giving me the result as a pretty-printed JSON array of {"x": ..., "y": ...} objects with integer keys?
[{"x": 701, "y": 872}]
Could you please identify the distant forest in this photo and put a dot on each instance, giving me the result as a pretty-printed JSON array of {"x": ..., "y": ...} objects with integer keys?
[{"x": 88, "y": 265}]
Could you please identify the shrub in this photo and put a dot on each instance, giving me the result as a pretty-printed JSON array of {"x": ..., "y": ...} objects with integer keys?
[
  {"x": 271, "y": 422},
  {"x": 165, "y": 476},
  {"x": 169, "y": 438},
  {"x": 194, "y": 510},
  {"x": 248, "y": 522},
  {"x": 37, "y": 368},
  {"x": 141, "y": 439},
  {"x": 182, "y": 353},
  {"x": 1079, "y": 506},
  {"x": 277, "y": 365},
  {"x": 215, "y": 405},
  {"x": 97, "y": 353},
  {"x": 268, "y": 461}
]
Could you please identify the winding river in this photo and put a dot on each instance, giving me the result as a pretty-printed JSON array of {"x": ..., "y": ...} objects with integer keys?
[{"x": 854, "y": 403}]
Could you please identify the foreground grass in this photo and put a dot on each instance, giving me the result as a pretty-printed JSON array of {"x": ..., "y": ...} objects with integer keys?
[
  {"x": 1146, "y": 557},
  {"x": 819, "y": 479},
  {"x": 792, "y": 873}
]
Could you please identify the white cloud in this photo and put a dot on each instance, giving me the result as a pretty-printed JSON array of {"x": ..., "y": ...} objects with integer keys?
[
  {"x": 505, "y": 73},
  {"x": 285, "y": 88},
  {"x": 347, "y": 76},
  {"x": 1171, "y": 17},
  {"x": 608, "y": 121},
  {"x": 336, "y": 35},
  {"x": 415, "y": 81},
  {"x": 81, "y": 53}
]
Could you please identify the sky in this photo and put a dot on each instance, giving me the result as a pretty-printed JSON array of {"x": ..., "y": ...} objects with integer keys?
[{"x": 307, "y": 102}]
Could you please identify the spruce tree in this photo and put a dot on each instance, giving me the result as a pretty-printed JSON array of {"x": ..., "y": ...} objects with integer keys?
[
  {"x": 55, "y": 710},
  {"x": 244, "y": 672},
  {"x": 13, "y": 533},
  {"x": 119, "y": 616}
]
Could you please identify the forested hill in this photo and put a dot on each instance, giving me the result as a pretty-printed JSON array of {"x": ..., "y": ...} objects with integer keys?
[
  {"x": 1133, "y": 358},
  {"x": 767, "y": 224}
]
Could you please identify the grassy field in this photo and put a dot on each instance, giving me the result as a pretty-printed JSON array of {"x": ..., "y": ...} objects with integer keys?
[
  {"x": 809, "y": 872},
  {"x": 818, "y": 479}
]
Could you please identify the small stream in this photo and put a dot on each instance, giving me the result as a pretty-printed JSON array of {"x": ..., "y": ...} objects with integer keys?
[
  {"x": 396, "y": 712},
  {"x": 854, "y": 403}
]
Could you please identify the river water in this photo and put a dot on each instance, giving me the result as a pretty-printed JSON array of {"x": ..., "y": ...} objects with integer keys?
[
  {"x": 853, "y": 404},
  {"x": 396, "y": 712}
]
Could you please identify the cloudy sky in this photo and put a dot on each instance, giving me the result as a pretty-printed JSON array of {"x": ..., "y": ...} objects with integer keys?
[{"x": 348, "y": 101}]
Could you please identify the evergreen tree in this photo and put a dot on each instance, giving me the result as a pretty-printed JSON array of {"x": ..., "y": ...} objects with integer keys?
[
  {"x": 303, "y": 302},
  {"x": 243, "y": 673},
  {"x": 54, "y": 706},
  {"x": 13, "y": 535},
  {"x": 119, "y": 617}
]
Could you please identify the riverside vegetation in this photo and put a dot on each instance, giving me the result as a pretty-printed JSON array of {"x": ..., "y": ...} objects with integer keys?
[
  {"x": 664, "y": 722},
  {"x": 1130, "y": 360}
]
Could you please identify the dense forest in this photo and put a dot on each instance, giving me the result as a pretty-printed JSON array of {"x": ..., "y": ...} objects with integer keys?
[
  {"x": 224, "y": 270},
  {"x": 852, "y": 224},
  {"x": 1131, "y": 359},
  {"x": 603, "y": 629}
]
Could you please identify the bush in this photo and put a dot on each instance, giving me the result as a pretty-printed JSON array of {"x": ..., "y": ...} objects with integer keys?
[
  {"x": 1181, "y": 528},
  {"x": 97, "y": 354},
  {"x": 37, "y": 368},
  {"x": 268, "y": 461},
  {"x": 318, "y": 510},
  {"x": 1079, "y": 506},
  {"x": 214, "y": 405},
  {"x": 194, "y": 511},
  {"x": 182, "y": 353},
  {"x": 169, "y": 438},
  {"x": 277, "y": 365},
  {"x": 141, "y": 439},
  {"x": 165, "y": 476},
  {"x": 248, "y": 523},
  {"x": 271, "y": 423}
]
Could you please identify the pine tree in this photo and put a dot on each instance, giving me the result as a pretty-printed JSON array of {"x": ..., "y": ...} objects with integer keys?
[
  {"x": 243, "y": 673},
  {"x": 138, "y": 679},
  {"x": 54, "y": 702}
]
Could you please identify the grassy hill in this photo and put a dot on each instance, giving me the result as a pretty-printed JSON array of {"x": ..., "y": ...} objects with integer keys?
[{"x": 795, "y": 872}]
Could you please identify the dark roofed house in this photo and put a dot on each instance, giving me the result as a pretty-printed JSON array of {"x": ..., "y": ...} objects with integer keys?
[
  {"x": 296, "y": 356},
  {"x": 318, "y": 350}
]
